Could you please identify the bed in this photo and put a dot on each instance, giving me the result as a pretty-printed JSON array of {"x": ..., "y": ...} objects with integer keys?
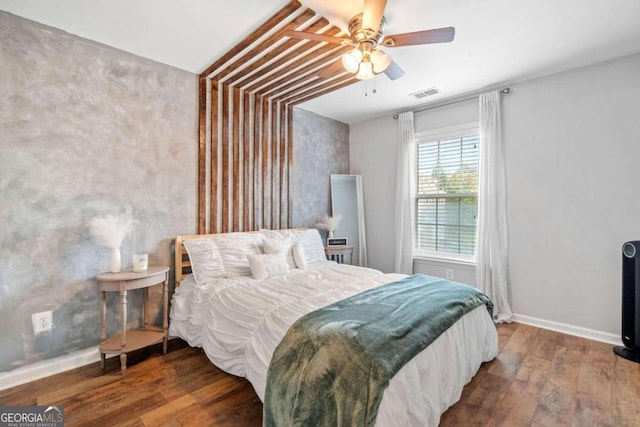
[{"x": 239, "y": 320}]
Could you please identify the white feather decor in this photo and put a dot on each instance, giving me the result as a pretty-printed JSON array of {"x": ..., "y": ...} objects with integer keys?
[
  {"x": 329, "y": 223},
  {"x": 110, "y": 230}
]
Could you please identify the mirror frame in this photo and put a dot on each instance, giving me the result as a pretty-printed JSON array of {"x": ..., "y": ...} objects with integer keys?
[{"x": 362, "y": 237}]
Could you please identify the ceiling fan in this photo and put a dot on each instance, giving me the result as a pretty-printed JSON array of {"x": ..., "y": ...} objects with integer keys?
[{"x": 366, "y": 34}]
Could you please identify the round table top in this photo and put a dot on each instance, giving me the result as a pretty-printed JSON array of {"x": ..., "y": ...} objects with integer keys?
[{"x": 128, "y": 274}]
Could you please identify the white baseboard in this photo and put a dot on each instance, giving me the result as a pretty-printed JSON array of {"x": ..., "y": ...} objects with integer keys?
[
  {"x": 577, "y": 331},
  {"x": 48, "y": 367}
]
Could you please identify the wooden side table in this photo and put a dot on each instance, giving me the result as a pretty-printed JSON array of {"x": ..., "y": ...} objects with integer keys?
[
  {"x": 336, "y": 253},
  {"x": 133, "y": 339}
]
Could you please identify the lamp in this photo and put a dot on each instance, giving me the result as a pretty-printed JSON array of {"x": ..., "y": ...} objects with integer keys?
[
  {"x": 351, "y": 60},
  {"x": 380, "y": 60},
  {"x": 365, "y": 71},
  {"x": 364, "y": 63}
]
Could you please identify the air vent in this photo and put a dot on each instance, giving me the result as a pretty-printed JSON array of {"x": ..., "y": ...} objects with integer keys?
[{"x": 425, "y": 92}]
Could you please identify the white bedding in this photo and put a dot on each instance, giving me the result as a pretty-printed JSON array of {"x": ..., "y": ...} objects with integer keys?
[{"x": 246, "y": 319}]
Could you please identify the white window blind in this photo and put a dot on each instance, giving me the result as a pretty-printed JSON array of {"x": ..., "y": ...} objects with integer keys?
[{"x": 447, "y": 191}]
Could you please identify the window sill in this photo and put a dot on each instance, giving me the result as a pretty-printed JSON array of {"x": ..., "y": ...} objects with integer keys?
[{"x": 444, "y": 259}]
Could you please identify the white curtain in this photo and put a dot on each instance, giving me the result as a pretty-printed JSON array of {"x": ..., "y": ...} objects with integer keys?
[
  {"x": 492, "y": 237},
  {"x": 405, "y": 194}
]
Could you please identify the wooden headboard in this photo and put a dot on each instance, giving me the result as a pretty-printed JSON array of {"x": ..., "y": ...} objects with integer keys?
[{"x": 183, "y": 263}]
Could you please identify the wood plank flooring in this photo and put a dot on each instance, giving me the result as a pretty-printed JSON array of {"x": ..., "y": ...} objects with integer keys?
[{"x": 540, "y": 378}]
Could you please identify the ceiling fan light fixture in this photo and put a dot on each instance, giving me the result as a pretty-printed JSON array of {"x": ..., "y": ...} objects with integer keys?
[
  {"x": 366, "y": 71},
  {"x": 380, "y": 61},
  {"x": 351, "y": 60},
  {"x": 366, "y": 32}
]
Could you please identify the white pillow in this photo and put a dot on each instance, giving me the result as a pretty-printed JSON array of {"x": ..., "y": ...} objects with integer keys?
[
  {"x": 206, "y": 263},
  {"x": 298, "y": 256},
  {"x": 309, "y": 239},
  {"x": 313, "y": 246},
  {"x": 268, "y": 265},
  {"x": 274, "y": 246},
  {"x": 234, "y": 249}
]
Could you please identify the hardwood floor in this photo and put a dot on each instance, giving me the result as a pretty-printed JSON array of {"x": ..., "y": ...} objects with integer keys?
[{"x": 540, "y": 378}]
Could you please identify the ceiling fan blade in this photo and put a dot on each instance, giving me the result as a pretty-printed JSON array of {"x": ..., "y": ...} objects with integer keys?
[
  {"x": 438, "y": 35},
  {"x": 372, "y": 14},
  {"x": 394, "y": 71},
  {"x": 331, "y": 70},
  {"x": 317, "y": 37}
]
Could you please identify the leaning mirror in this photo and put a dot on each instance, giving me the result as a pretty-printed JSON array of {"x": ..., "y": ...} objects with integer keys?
[{"x": 347, "y": 200}]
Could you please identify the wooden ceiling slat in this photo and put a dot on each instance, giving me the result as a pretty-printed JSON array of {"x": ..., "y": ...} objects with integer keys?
[
  {"x": 302, "y": 67},
  {"x": 312, "y": 85},
  {"x": 297, "y": 82},
  {"x": 258, "y": 50},
  {"x": 241, "y": 79},
  {"x": 271, "y": 23},
  {"x": 312, "y": 94},
  {"x": 332, "y": 70},
  {"x": 295, "y": 85}
]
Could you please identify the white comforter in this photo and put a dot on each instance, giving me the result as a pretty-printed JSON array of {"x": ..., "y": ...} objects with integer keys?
[{"x": 239, "y": 322}]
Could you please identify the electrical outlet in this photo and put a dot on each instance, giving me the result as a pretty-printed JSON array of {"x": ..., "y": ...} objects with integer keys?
[
  {"x": 42, "y": 322},
  {"x": 449, "y": 273}
]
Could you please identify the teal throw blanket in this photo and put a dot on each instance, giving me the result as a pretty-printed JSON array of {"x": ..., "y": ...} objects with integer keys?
[{"x": 334, "y": 364}]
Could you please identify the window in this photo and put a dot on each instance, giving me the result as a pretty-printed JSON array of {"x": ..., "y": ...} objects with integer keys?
[{"x": 447, "y": 190}]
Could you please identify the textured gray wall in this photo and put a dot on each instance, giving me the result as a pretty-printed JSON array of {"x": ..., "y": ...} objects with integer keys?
[
  {"x": 88, "y": 130},
  {"x": 321, "y": 148},
  {"x": 85, "y": 130}
]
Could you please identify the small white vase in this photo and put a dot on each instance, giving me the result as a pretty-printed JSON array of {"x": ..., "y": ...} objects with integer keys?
[
  {"x": 116, "y": 260},
  {"x": 330, "y": 234}
]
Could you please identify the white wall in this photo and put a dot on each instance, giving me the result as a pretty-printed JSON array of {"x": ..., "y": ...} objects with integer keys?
[
  {"x": 573, "y": 147},
  {"x": 446, "y": 116},
  {"x": 573, "y": 150},
  {"x": 372, "y": 153}
]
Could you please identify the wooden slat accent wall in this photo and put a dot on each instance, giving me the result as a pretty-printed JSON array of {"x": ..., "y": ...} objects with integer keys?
[{"x": 246, "y": 120}]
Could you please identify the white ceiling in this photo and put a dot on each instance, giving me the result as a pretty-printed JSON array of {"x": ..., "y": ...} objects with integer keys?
[{"x": 497, "y": 41}]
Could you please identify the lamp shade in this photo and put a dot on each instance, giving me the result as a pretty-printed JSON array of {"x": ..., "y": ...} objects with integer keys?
[
  {"x": 366, "y": 71},
  {"x": 351, "y": 60},
  {"x": 380, "y": 61}
]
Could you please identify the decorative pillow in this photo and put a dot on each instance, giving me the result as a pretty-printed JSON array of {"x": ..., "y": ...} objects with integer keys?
[
  {"x": 274, "y": 246},
  {"x": 313, "y": 246},
  {"x": 234, "y": 249},
  {"x": 206, "y": 263},
  {"x": 309, "y": 239},
  {"x": 298, "y": 256},
  {"x": 268, "y": 265}
]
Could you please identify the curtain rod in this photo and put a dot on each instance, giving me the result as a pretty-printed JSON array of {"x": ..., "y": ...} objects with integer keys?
[{"x": 455, "y": 100}]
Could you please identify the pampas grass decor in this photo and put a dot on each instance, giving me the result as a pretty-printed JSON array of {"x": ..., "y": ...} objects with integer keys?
[
  {"x": 329, "y": 223},
  {"x": 109, "y": 231}
]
